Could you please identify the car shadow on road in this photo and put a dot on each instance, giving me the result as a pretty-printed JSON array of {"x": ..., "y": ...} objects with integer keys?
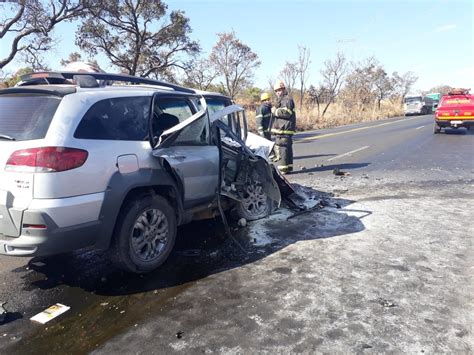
[
  {"x": 457, "y": 131},
  {"x": 312, "y": 156},
  {"x": 202, "y": 249},
  {"x": 107, "y": 301}
]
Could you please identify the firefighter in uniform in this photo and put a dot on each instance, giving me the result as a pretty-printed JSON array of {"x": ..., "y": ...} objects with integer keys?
[
  {"x": 283, "y": 128},
  {"x": 263, "y": 115}
]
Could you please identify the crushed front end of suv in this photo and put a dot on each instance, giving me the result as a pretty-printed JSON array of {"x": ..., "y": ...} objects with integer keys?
[{"x": 85, "y": 163}]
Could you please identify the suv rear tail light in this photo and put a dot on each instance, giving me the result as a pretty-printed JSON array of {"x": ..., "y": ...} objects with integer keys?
[{"x": 46, "y": 159}]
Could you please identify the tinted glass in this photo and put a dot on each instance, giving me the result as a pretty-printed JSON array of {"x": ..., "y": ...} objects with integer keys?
[
  {"x": 457, "y": 100},
  {"x": 216, "y": 104},
  {"x": 124, "y": 118},
  {"x": 197, "y": 133},
  {"x": 170, "y": 111},
  {"x": 177, "y": 107},
  {"x": 25, "y": 117},
  {"x": 412, "y": 99}
]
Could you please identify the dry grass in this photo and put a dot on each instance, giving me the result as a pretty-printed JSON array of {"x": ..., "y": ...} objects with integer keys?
[{"x": 338, "y": 115}]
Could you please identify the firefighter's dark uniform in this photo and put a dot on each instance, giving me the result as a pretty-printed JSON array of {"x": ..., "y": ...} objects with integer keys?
[
  {"x": 262, "y": 117},
  {"x": 283, "y": 128}
]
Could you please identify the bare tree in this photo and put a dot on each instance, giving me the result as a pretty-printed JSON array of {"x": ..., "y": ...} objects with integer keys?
[
  {"x": 302, "y": 66},
  {"x": 358, "y": 92},
  {"x": 26, "y": 26},
  {"x": 403, "y": 83},
  {"x": 383, "y": 85},
  {"x": 135, "y": 37},
  {"x": 333, "y": 78},
  {"x": 200, "y": 74},
  {"x": 235, "y": 62},
  {"x": 289, "y": 74}
]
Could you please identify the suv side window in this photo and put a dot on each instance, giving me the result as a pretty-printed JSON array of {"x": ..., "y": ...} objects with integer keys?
[
  {"x": 170, "y": 111},
  {"x": 122, "y": 118}
]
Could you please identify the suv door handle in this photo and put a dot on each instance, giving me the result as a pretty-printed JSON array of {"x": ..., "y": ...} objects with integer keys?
[{"x": 179, "y": 157}]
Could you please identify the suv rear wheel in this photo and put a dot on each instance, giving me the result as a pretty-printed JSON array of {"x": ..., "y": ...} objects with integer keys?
[{"x": 145, "y": 234}]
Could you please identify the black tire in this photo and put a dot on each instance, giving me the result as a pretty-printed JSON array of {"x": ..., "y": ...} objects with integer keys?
[
  {"x": 436, "y": 129},
  {"x": 255, "y": 204},
  {"x": 136, "y": 234}
]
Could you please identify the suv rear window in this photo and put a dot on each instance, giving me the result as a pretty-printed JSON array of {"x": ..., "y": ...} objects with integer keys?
[
  {"x": 457, "y": 100},
  {"x": 122, "y": 118},
  {"x": 26, "y": 116}
]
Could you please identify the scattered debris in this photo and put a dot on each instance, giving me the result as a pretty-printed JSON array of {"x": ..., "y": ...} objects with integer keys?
[
  {"x": 385, "y": 303},
  {"x": 242, "y": 222},
  {"x": 179, "y": 334},
  {"x": 339, "y": 172},
  {"x": 366, "y": 346},
  {"x": 50, "y": 313},
  {"x": 3, "y": 312},
  {"x": 104, "y": 304},
  {"x": 318, "y": 206}
]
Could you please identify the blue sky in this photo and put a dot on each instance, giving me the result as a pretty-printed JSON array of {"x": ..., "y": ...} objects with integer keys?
[{"x": 434, "y": 38}]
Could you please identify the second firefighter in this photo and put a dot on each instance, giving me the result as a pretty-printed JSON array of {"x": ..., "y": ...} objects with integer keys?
[{"x": 283, "y": 128}]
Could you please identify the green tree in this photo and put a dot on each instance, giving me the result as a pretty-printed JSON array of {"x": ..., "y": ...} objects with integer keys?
[
  {"x": 135, "y": 36},
  {"x": 26, "y": 26}
]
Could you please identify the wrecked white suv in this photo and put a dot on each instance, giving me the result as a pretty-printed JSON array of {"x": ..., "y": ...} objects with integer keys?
[{"x": 84, "y": 163}]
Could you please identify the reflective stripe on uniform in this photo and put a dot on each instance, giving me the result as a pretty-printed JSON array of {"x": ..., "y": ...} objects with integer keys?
[
  {"x": 258, "y": 116},
  {"x": 280, "y": 131}
]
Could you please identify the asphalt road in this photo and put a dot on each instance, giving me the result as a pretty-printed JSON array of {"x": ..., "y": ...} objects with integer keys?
[{"x": 388, "y": 271}]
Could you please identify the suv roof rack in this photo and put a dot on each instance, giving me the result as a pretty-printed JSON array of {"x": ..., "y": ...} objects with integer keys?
[
  {"x": 458, "y": 91},
  {"x": 83, "y": 79}
]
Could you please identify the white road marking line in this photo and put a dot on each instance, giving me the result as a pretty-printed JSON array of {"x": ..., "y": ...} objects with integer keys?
[
  {"x": 355, "y": 129},
  {"x": 419, "y": 127},
  {"x": 348, "y": 153}
]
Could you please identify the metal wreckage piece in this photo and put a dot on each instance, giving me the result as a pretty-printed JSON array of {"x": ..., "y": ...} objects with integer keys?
[{"x": 3, "y": 312}]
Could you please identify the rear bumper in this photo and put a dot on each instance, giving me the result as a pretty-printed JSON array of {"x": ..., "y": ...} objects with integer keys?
[
  {"x": 413, "y": 112},
  {"x": 52, "y": 226},
  {"x": 455, "y": 123},
  {"x": 50, "y": 241}
]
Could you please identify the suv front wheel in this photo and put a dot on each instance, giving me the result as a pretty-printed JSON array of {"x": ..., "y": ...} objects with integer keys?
[
  {"x": 145, "y": 234},
  {"x": 254, "y": 203}
]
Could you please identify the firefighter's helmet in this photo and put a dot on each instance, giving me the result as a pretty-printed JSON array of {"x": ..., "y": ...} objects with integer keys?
[
  {"x": 279, "y": 85},
  {"x": 265, "y": 96}
]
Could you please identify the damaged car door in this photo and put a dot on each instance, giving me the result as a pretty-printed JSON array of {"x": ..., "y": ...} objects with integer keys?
[
  {"x": 245, "y": 177},
  {"x": 180, "y": 137}
]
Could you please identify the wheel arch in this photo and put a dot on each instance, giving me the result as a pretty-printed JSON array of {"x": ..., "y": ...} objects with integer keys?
[{"x": 124, "y": 188}]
